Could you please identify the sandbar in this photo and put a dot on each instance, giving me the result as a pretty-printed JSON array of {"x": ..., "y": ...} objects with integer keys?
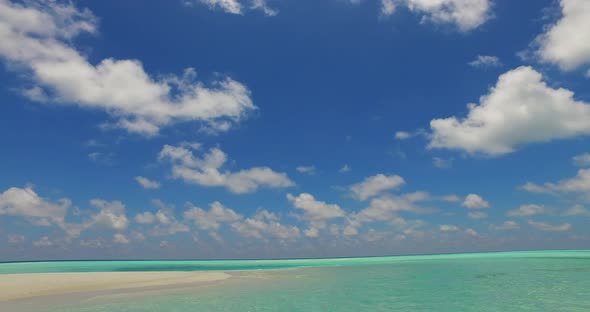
[{"x": 23, "y": 286}]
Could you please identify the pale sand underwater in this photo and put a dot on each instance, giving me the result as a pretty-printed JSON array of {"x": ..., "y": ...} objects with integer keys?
[{"x": 22, "y": 286}]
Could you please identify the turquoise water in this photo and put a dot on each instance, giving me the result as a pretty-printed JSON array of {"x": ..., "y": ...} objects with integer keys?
[{"x": 514, "y": 281}]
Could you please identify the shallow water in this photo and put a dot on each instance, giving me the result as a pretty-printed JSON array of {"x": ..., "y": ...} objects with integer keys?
[{"x": 516, "y": 281}]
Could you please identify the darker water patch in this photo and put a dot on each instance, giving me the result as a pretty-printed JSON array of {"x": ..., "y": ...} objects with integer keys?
[{"x": 489, "y": 275}]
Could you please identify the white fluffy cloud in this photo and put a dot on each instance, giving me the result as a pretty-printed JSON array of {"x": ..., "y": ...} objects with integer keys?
[
  {"x": 262, "y": 5},
  {"x": 471, "y": 232},
  {"x": 315, "y": 210},
  {"x": 567, "y": 42},
  {"x": 237, "y": 7},
  {"x": 582, "y": 160},
  {"x": 205, "y": 171},
  {"x": 578, "y": 184},
  {"x": 265, "y": 225},
  {"x": 527, "y": 210},
  {"x": 229, "y": 6},
  {"x": 374, "y": 185},
  {"x": 465, "y": 14},
  {"x": 474, "y": 201},
  {"x": 36, "y": 36},
  {"x": 27, "y": 204},
  {"x": 520, "y": 109},
  {"x": 485, "y": 61},
  {"x": 385, "y": 208},
  {"x": 145, "y": 218},
  {"x": 111, "y": 214},
  {"x": 387, "y": 7},
  {"x": 542, "y": 226},
  {"x": 164, "y": 220},
  {"x": 120, "y": 239},
  {"x": 211, "y": 220},
  {"x": 147, "y": 183}
]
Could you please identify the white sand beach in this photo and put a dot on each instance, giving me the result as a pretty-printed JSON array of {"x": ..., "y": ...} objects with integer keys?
[{"x": 23, "y": 286}]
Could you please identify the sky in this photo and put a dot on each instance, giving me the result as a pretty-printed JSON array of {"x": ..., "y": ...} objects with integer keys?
[{"x": 270, "y": 129}]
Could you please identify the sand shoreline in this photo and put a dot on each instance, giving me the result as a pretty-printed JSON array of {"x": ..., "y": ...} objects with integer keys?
[{"x": 14, "y": 287}]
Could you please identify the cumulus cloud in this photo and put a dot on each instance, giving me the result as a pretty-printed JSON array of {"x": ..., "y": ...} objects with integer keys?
[
  {"x": 206, "y": 171},
  {"x": 24, "y": 202},
  {"x": 519, "y": 110},
  {"x": 578, "y": 184},
  {"x": 542, "y": 226},
  {"x": 120, "y": 239},
  {"x": 465, "y": 14},
  {"x": 387, "y": 7},
  {"x": 350, "y": 230},
  {"x": 485, "y": 61},
  {"x": 263, "y": 6},
  {"x": 582, "y": 160},
  {"x": 265, "y": 225},
  {"x": 373, "y": 235},
  {"x": 27, "y": 204},
  {"x": 147, "y": 183},
  {"x": 566, "y": 43},
  {"x": 312, "y": 232},
  {"x": 386, "y": 208},
  {"x": 471, "y": 232},
  {"x": 229, "y": 6},
  {"x": 164, "y": 220},
  {"x": 210, "y": 220},
  {"x": 237, "y": 7},
  {"x": 145, "y": 218},
  {"x": 315, "y": 210},
  {"x": 474, "y": 201},
  {"x": 374, "y": 185},
  {"x": 111, "y": 214},
  {"x": 527, "y": 210},
  {"x": 36, "y": 36}
]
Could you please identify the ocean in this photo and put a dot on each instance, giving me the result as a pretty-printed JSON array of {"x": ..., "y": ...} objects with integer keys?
[{"x": 507, "y": 281}]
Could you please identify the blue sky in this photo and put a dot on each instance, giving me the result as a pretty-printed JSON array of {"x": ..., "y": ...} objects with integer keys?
[{"x": 252, "y": 129}]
